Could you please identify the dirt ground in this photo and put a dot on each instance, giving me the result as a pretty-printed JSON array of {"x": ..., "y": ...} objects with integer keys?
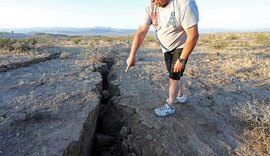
[{"x": 76, "y": 99}]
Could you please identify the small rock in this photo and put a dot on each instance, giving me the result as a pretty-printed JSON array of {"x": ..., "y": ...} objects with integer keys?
[
  {"x": 137, "y": 149},
  {"x": 124, "y": 132},
  {"x": 130, "y": 137},
  {"x": 149, "y": 137},
  {"x": 131, "y": 149},
  {"x": 65, "y": 138},
  {"x": 138, "y": 137}
]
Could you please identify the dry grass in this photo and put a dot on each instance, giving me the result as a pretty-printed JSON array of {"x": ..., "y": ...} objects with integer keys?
[
  {"x": 235, "y": 59},
  {"x": 256, "y": 116},
  {"x": 238, "y": 55}
]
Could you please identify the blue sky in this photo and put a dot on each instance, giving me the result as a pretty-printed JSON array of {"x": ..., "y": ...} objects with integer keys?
[{"x": 229, "y": 14}]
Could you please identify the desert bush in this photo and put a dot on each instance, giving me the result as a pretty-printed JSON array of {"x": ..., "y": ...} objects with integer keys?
[
  {"x": 262, "y": 39},
  {"x": 76, "y": 40},
  {"x": 151, "y": 39},
  {"x": 232, "y": 37},
  {"x": 26, "y": 44},
  {"x": 210, "y": 40},
  {"x": 44, "y": 39},
  {"x": 20, "y": 45},
  {"x": 91, "y": 45},
  {"x": 219, "y": 44},
  {"x": 204, "y": 39},
  {"x": 246, "y": 44},
  {"x": 106, "y": 39},
  {"x": 6, "y": 43},
  {"x": 256, "y": 118},
  {"x": 96, "y": 55}
]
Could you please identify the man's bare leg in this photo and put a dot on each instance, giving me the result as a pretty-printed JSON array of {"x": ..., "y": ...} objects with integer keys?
[
  {"x": 173, "y": 91},
  {"x": 180, "y": 92}
]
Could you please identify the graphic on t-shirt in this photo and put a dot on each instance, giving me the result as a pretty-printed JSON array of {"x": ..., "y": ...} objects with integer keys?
[
  {"x": 172, "y": 20},
  {"x": 154, "y": 17}
]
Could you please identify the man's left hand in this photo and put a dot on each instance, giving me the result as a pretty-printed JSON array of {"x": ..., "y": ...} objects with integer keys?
[{"x": 178, "y": 67}]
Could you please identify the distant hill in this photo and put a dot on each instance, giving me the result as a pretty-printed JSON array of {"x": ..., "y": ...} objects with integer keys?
[
  {"x": 24, "y": 35},
  {"x": 47, "y": 34},
  {"x": 12, "y": 35},
  {"x": 97, "y": 31},
  {"x": 104, "y": 31},
  {"x": 204, "y": 31}
]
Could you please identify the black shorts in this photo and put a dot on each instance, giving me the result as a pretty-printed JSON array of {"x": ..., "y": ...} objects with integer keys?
[{"x": 170, "y": 59}]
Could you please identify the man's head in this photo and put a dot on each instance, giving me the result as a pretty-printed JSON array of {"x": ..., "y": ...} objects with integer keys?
[{"x": 160, "y": 3}]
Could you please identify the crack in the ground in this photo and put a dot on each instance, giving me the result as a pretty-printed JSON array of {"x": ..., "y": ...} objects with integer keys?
[
  {"x": 16, "y": 65},
  {"x": 107, "y": 136}
]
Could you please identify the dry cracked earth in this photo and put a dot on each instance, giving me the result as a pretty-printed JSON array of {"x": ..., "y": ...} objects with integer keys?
[{"x": 65, "y": 100}]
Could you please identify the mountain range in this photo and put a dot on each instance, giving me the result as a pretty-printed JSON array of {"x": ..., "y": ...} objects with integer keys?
[{"x": 96, "y": 31}]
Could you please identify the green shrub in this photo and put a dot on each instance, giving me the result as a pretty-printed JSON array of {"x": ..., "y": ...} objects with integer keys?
[
  {"x": 262, "y": 39},
  {"x": 233, "y": 37},
  {"x": 219, "y": 44},
  {"x": 76, "y": 40},
  {"x": 26, "y": 44},
  {"x": 91, "y": 45},
  {"x": 246, "y": 44},
  {"x": 6, "y": 43},
  {"x": 151, "y": 39}
]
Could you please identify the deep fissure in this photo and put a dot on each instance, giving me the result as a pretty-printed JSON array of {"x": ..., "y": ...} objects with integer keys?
[{"x": 106, "y": 138}]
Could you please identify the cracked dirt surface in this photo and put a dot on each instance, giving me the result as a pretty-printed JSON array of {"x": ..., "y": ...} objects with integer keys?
[
  {"x": 53, "y": 107},
  {"x": 45, "y": 107}
]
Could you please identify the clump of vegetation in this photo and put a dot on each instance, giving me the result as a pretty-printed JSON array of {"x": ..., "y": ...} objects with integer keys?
[
  {"x": 256, "y": 116},
  {"x": 106, "y": 39},
  {"x": 21, "y": 45},
  {"x": 150, "y": 39},
  {"x": 91, "y": 45},
  {"x": 97, "y": 54},
  {"x": 26, "y": 44},
  {"x": 76, "y": 40},
  {"x": 246, "y": 44},
  {"x": 232, "y": 37},
  {"x": 6, "y": 43},
  {"x": 262, "y": 39},
  {"x": 204, "y": 39},
  {"x": 219, "y": 44}
]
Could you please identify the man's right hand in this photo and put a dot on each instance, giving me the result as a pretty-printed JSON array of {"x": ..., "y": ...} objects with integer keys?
[{"x": 130, "y": 63}]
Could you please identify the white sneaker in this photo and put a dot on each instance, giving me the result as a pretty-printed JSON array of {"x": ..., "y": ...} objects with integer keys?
[
  {"x": 179, "y": 99},
  {"x": 164, "y": 110}
]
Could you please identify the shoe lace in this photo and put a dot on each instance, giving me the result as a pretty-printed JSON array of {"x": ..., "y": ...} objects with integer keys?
[{"x": 163, "y": 107}]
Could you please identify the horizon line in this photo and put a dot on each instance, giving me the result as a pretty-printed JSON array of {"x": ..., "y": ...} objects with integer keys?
[{"x": 108, "y": 27}]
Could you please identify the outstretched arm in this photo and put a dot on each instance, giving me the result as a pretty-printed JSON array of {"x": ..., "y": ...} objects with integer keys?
[{"x": 137, "y": 42}]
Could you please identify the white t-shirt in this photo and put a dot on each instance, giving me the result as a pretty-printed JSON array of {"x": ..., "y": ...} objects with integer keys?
[{"x": 171, "y": 22}]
